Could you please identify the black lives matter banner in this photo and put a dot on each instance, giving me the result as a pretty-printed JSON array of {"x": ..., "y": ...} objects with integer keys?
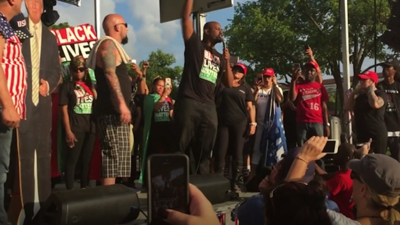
[{"x": 74, "y": 41}]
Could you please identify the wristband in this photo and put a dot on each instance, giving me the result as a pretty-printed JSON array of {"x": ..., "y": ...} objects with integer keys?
[
  {"x": 253, "y": 124},
  {"x": 301, "y": 159}
]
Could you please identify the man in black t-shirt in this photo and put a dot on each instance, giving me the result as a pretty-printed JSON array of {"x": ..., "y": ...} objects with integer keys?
[
  {"x": 195, "y": 111},
  {"x": 392, "y": 114},
  {"x": 368, "y": 105}
]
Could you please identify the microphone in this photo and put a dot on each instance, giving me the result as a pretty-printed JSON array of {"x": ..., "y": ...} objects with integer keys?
[{"x": 223, "y": 42}]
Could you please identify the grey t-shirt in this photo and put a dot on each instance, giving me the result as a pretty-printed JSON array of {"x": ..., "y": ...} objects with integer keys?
[{"x": 340, "y": 219}]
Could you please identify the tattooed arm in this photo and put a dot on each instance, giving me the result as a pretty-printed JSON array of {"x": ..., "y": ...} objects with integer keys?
[
  {"x": 374, "y": 100},
  {"x": 108, "y": 54}
]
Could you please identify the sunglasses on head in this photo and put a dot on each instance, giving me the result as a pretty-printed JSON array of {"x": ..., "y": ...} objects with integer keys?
[{"x": 81, "y": 69}]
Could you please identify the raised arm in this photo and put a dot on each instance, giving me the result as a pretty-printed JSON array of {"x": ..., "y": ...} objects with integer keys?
[
  {"x": 374, "y": 101},
  {"x": 310, "y": 53},
  {"x": 187, "y": 23}
]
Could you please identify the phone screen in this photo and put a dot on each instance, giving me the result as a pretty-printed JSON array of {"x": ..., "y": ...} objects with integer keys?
[
  {"x": 168, "y": 185},
  {"x": 330, "y": 147}
]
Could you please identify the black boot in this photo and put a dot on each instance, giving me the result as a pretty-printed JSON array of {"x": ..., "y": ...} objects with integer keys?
[{"x": 237, "y": 183}]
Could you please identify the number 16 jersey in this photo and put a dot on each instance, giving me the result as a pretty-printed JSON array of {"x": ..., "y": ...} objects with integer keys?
[{"x": 310, "y": 97}]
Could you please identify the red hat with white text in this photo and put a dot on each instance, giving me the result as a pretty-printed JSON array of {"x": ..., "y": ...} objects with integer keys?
[
  {"x": 369, "y": 75},
  {"x": 268, "y": 72}
]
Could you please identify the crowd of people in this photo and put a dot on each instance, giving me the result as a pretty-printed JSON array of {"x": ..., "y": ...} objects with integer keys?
[{"x": 217, "y": 119}]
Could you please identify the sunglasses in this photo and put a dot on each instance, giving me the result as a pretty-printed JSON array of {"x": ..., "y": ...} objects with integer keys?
[
  {"x": 82, "y": 69},
  {"x": 125, "y": 24}
]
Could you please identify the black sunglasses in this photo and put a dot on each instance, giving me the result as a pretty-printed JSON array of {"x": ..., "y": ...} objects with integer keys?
[
  {"x": 125, "y": 24},
  {"x": 81, "y": 69}
]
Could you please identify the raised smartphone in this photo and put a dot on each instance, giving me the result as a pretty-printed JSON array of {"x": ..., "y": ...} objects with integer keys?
[
  {"x": 331, "y": 146},
  {"x": 168, "y": 83},
  {"x": 167, "y": 182}
]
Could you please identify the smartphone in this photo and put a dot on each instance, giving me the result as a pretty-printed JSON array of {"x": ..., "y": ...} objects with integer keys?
[
  {"x": 331, "y": 146},
  {"x": 168, "y": 179},
  {"x": 306, "y": 47},
  {"x": 168, "y": 83},
  {"x": 133, "y": 61}
]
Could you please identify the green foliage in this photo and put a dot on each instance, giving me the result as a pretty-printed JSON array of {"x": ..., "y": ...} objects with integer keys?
[
  {"x": 60, "y": 26},
  {"x": 161, "y": 64},
  {"x": 273, "y": 34}
]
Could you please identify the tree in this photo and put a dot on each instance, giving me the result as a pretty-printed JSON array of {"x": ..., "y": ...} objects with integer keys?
[
  {"x": 273, "y": 34},
  {"x": 60, "y": 26},
  {"x": 161, "y": 64}
]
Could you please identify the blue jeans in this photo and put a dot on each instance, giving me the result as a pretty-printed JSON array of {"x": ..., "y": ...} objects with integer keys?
[
  {"x": 307, "y": 130},
  {"x": 5, "y": 145}
]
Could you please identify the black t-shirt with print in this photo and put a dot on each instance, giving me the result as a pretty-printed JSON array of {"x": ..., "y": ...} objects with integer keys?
[
  {"x": 233, "y": 108},
  {"x": 161, "y": 124},
  {"x": 392, "y": 119},
  {"x": 80, "y": 107},
  {"x": 369, "y": 122},
  {"x": 202, "y": 71}
]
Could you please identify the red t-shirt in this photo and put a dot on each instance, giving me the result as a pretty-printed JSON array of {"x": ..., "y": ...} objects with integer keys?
[
  {"x": 341, "y": 188},
  {"x": 309, "y": 100}
]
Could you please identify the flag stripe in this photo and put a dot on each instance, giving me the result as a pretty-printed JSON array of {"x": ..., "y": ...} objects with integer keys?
[{"x": 13, "y": 65}]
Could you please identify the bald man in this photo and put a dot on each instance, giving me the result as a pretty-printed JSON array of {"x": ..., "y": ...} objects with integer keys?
[
  {"x": 195, "y": 110},
  {"x": 112, "y": 107}
]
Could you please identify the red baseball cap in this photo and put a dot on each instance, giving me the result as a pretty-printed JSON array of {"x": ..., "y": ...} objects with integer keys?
[
  {"x": 313, "y": 64},
  {"x": 369, "y": 75},
  {"x": 242, "y": 66},
  {"x": 268, "y": 72}
]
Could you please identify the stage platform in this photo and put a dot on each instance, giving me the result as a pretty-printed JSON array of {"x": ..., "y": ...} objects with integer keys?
[{"x": 141, "y": 220}]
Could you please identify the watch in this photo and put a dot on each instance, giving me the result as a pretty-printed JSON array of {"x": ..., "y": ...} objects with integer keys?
[
  {"x": 253, "y": 124},
  {"x": 327, "y": 124}
]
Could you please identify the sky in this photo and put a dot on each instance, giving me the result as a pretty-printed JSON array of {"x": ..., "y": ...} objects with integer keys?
[{"x": 146, "y": 33}]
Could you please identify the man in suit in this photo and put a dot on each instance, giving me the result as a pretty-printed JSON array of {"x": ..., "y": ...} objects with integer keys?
[{"x": 43, "y": 69}]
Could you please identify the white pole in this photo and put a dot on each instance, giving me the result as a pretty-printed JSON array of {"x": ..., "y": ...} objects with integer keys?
[
  {"x": 345, "y": 57},
  {"x": 97, "y": 22},
  {"x": 199, "y": 19},
  {"x": 202, "y": 18}
]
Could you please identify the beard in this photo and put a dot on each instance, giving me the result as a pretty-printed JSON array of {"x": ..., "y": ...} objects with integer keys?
[{"x": 124, "y": 40}]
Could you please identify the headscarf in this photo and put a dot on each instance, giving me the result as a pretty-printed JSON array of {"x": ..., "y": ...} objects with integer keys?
[{"x": 78, "y": 61}]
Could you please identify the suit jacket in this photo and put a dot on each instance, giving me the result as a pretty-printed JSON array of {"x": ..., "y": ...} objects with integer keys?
[{"x": 49, "y": 71}]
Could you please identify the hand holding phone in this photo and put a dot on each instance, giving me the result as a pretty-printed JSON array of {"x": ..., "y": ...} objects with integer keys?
[
  {"x": 168, "y": 179},
  {"x": 201, "y": 210}
]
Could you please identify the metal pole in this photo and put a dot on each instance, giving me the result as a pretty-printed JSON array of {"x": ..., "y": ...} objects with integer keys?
[
  {"x": 199, "y": 20},
  {"x": 345, "y": 57},
  {"x": 97, "y": 23}
]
